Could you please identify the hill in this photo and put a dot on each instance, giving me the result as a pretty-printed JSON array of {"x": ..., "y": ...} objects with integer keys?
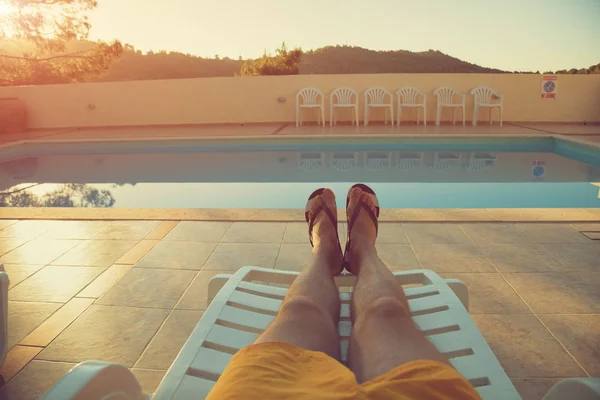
[{"x": 134, "y": 65}]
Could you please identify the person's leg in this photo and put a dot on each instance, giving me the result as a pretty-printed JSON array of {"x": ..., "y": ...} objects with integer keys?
[
  {"x": 383, "y": 336},
  {"x": 310, "y": 312}
]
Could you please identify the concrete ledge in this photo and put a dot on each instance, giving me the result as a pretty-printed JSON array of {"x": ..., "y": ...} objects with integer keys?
[{"x": 297, "y": 215}]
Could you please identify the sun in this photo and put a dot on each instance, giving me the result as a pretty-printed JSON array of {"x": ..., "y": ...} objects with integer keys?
[{"x": 5, "y": 8}]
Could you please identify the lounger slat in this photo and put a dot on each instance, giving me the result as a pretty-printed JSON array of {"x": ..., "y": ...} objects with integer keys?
[
  {"x": 246, "y": 318},
  {"x": 426, "y": 303},
  {"x": 255, "y": 301},
  {"x": 345, "y": 310},
  {"x": 273, "y": 291},
  {"x": 192, "y": 387},
  {"x": 209, "y": 361},
  {"x": 345, "y": 328},
  {"x": 230, "y": 337},
  {"x": 435, "y": 321},
  {"x": 420, "y": 291}
]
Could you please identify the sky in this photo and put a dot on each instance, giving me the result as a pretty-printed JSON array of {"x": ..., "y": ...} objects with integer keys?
[{"x": 523, "y": 35}]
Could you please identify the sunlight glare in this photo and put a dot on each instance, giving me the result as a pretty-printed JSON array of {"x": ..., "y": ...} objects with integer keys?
[{"x": 5, "y": 8}]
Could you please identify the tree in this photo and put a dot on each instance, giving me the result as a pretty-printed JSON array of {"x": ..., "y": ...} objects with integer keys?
[
  {"x": 67, "y": 195},
  {"x": 285, "y": 62},
  {"x": 45, "y": 28}
]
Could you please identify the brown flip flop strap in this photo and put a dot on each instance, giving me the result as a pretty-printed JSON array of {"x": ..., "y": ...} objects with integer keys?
[
  {"x": 311, "y": 222},
  {"x": 354, "y": 216}
]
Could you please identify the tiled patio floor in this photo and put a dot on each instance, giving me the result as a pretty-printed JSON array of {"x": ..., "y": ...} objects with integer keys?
[{"x": 132, "y": 291}]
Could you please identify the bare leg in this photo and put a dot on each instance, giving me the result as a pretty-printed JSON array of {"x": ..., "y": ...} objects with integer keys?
[
  {"x": 310, "y": 312},
  {"x": 383, "y": 336}
]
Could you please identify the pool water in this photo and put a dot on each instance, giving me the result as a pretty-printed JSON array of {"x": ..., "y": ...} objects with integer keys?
[{"x": 406, "y": 173}]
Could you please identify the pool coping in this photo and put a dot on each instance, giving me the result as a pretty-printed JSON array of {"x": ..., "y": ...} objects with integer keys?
[{"x": 571, "y": 215}]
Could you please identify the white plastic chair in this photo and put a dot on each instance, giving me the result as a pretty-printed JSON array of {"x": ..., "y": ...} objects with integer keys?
[
  {"x": 445, "y": 98},
  {"x": 375, "y": 97},
  {"x": 408, "y": 97},
  {"x": 344, "y": 161},
  {"x": 483, "y": 98},
  {"x": 310, "y": 98},
  {"x": 242, "y": 305},
  {"x": 342, "y": 98},
  {"x": 310, "y": 161},
  {"x": 4, "y": 284}
]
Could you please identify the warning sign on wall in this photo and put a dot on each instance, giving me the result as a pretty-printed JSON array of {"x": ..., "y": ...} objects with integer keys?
[
  {"x": 538, "y": 170},
  {"x": 549, "y": 87}
]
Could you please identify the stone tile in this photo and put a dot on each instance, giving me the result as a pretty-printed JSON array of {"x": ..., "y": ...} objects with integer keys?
[
  {"x": 232, "y": 256},
  {"x": 38, "y": 251},
  {"x": 18, "y": 273},
  {"x": 580, "y": 334},
  {"x": 7, "y": 222},
  {"x": 126, "y": 230},
  {"x": 149, "y": 379},
  {"x": 178, "y": 255},
  {"x": 16, "y": 360},
  {"x": 199, "y": 231},
  {"x": 104, "y": 281},
  {"x": 559, "y": 292},
  {"x": 161, "y": 230},
  {"x": 27, "y": 229},
  {"x": 521, "y": 258},
  {"x": 592, "y": 235},
  {"x": 524, "y": 347},
  {"x": 169, "y": 340},
  {"x": 391, "y": 233},
  {"x": 293, "y": 256},
  {"x": 148, "y": 287},
  {"x": 297, "y": 232},
  {"x": 551, "y": 233},
  {"x": 8, "y": 244},
  {"x": 23, "y": 318},
  {"x": 137, "y": 252},
  {"x": 54, "y": 284},
  {"x": 74, "y": 229},
  {"x": 452, "y": 258},
  {"x": 195, "y": 297},
  {"x": 112, "y": 334},
  {"x": 97, "y": 253},
  {"x": 53, "y": 326},
  {"x": 255, "y": 232},
  {"x": 398, "y": 257},
  {"x": 435, "y": 233},
  {"x": 576, "y": 255},
  {"x": 533, "y": 388},
  {"x": 490, "y": 294},
  {"x": 591, "y": 227},
  {"x": 36, "y": 379},
  {"x": 494, "y": 233}
]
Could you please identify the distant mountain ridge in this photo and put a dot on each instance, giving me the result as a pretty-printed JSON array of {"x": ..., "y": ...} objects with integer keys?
[{"x": 134, "y": 65}]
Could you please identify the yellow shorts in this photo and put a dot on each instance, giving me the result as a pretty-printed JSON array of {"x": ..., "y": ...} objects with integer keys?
[{"x": 283, "y": 371}]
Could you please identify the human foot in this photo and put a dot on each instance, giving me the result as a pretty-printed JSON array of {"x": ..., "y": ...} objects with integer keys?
[
  {"x": 362, "y": 211},
  {"x": 321, "y": 216}
]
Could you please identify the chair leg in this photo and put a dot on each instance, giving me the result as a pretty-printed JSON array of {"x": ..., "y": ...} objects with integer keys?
[
  {"x": 475, "y": 112},
  {"x": 463, "y": 111},
  {"x": 331, "y": 115},
  {"x": 500, "y": 116},
  {"x": 392, "y": 114},
  {"x": 424, "y": 116},
  {"x": 453, "y": 115},
  {"x": 297, "y": 116},
  {"x": 399, "y": 114},
  {"x": 323, "y": 115},
  {"x": 366, "y": 115},
  {"x": 491, "y": 111},
  {"x": 437, "y": 117},
  {"x": 356, "y": 115}
]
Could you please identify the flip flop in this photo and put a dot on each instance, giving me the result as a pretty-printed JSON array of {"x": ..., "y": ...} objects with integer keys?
[
  {"x": 352, "y": 219},
  {"x": 310, "y": 219}
]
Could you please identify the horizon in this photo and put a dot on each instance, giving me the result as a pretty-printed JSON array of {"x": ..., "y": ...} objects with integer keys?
[{"x": 536, "y": 36}]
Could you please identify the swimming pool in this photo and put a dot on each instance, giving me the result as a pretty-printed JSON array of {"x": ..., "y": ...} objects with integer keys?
[{"x": 407, "y": 172}]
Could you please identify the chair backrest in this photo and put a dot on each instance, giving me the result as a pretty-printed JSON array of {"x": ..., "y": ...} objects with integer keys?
[
  {"x": 343, "y": 95},
  {"x": 409, "y": 95},
  {"x": 377, "y": 95},
  {"x": 483, "y": 94},
  {"x": 309, "y": 96},
  {"x": 444, "y": 94}
]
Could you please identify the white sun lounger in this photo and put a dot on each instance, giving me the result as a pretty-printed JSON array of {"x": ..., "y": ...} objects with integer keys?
[{"x": 245, "y": 305}]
